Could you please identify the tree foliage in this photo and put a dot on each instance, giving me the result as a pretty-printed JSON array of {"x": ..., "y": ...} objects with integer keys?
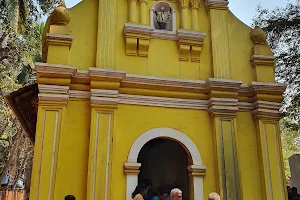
[
  {"x": 20, "y": 47},
  {"x": 282, "y": 26}
]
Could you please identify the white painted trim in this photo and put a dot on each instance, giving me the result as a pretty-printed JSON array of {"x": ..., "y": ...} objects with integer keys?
[
  {"x": 198, "y": 188},
  {"x": 41, "y": 157},
  {"x": 59, "y": 37},
  {"x": 163, "y": 102},
  {"x": 108, "y": 157},
  {"x": 78, "y": 94},
  {"x": 186, "y": 142},
  {"x": 53, "y": 155},
  {"x": 53, "y": 89},
  {"x": 170, "y": 133},
  {"x": 267, "y": 160}
]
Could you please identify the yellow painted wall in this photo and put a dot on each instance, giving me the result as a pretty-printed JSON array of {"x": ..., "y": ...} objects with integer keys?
[
  {"x": 247, "y": 156},
  {"x": 132, "y": 121},
  {"x": 240, "y": 50},
  {"x": 71, "y": 176},
  {"x": 83, "y": 26}
]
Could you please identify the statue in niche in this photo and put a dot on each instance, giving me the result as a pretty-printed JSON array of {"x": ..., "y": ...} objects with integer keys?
[{"x": 162, "y": 18}]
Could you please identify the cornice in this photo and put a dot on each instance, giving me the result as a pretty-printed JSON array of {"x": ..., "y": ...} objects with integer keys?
[
  {"x": 155, "y": 82},
  {"x": 216, "y": 4},
  {"x": 53, "y": 98},
  {"x": 104, "y": 97},
  {"x": 54, "y": 70},
  {"x": 223, "y": 84},
  {"x": 267, "y": 88},
  {"x": 138, "y": 29},
  {"x": 163, "y": 102},
  {"x": 106, "y": 74},
  {"x": 107, "y": 87},
  {"x": 222, "y": 106},
  {"x": 78, "y": 94},
  {"x": 263, "y": 60},
  {"x": 190, "y": 35},
  {"x": 64, "y": 40},
  {"x": 53, "y": 89}
]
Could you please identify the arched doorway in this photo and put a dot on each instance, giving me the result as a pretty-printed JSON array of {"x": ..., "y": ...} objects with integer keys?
[
  {"x": 165, "y": 162},
  {"x": 196, "y": 169}
]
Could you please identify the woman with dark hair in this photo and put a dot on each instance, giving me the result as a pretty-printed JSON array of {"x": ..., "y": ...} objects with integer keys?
[{"x": 139, "y": 192}]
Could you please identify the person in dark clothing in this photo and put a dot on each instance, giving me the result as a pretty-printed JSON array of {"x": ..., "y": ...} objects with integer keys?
[
  {"x": 148, "y": 184},
  {"x": 294, "y": 194},
  {"x": 70, "y": 197}
]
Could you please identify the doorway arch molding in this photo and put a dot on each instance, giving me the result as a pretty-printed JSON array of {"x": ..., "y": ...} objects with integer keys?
[{"x": 196, "y": 170}]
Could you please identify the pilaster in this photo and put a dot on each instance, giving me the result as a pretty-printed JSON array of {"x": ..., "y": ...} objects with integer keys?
[
  {"x": 53, "y": 100},
  {"x": 104, "y": 100},
  {"x": 195, "y": 17},
  {"x": 106, "y": 45},
  {"x": 223, "y": 107},
  {"x": 184, "y": 11},
  {"x": 143, "y": 12},
  {"x": 218, "y": 12},
  {"x": 132, "y": 18},
  {"x": 266, "y": 116}
]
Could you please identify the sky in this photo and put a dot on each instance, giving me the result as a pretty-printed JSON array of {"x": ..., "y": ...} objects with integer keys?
[{"x": 245, "y": 10}]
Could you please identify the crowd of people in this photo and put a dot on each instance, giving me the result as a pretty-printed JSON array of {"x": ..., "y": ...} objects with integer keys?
[
  {"x": 144, "y": 191},
  {"x": 293, "y": 193}
]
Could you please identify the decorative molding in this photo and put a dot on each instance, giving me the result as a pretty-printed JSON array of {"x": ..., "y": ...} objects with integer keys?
[
  {"x": 53, "y": 98},
  {"x": 197, "y": 168},
  {"x": 267, "y": 88},
  {"x": 104, "y": 97},
  {"x": 137, "y": 39},
  {"x": 132, "y": 79},
  {"x": 223, "y": 84},
  {"x": 53, "y": 89},
  {"x": 78, "y": 94},
  {"x": 132, "y": 168},
  {"x": 191, "y": 35},
  {"x": 216, "y": 4},
  {"x": 245, "y": 106},
  {"x": 102, "y": 74},
  {"x": 266, "y": 109},
  {"x": 223, "y": 106},
  {"x": 190, "y": 44},
  {"x": 81, "y": 76},
  {"x": 56, "y": 39},
  {"x": 54, "y": 70},
  {"x": 163, "y": 102},
  {"x": 262, "y": 60},
  {"x": 164, "y": 35}
]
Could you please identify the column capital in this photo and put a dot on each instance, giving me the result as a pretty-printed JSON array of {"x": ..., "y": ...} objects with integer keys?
[
  {"x": 217, "y": 4},
  {"x": 195, "y": 4},
  {"x": 184, "y": 3},
  {"x": 144, "y": 1},
  {"x": 196, "y": 170},
  {"x": 132, "y": 168}
]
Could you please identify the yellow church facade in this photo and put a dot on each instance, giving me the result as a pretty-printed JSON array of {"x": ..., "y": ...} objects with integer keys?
[{"x": 177, "y": 91}]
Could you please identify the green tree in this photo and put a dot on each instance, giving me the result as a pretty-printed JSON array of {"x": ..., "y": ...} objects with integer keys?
[
  {"x": 282, "y": 26},
  {"x": 20, "y": 47}
]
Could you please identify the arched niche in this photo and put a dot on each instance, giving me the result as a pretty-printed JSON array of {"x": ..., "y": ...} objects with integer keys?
[
  {"x": 196, "y": 169},
  {"x": 163, "y": 16}
]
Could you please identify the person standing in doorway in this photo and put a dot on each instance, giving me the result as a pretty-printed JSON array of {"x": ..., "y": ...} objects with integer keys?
[
  {"x": 176, "y": 194},
  {"x": 214, "y": 196},
  {"x": 139, "y": 192}
]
